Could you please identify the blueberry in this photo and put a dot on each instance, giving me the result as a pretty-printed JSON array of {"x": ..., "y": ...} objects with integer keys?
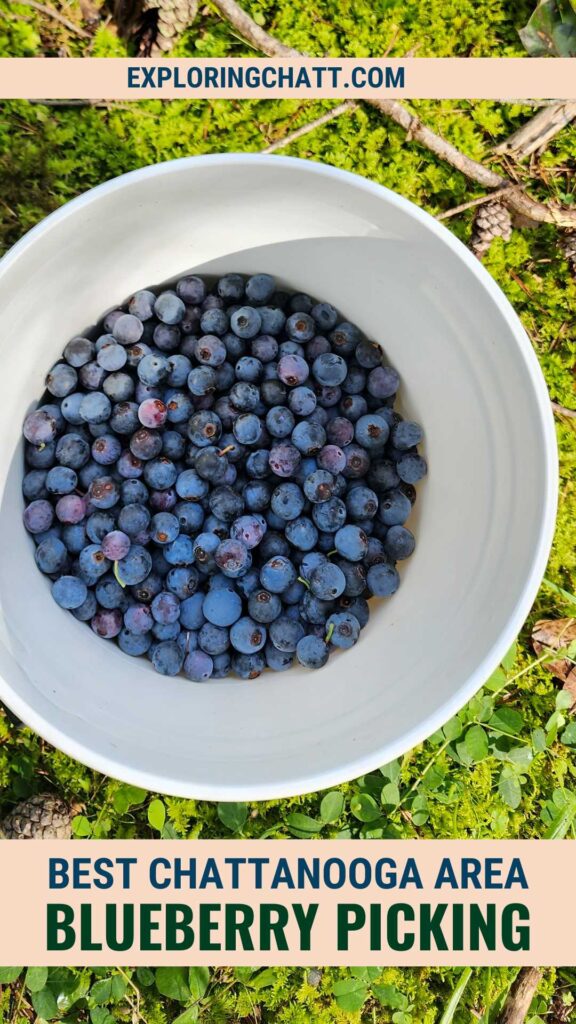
[
  {"x": 368, "y": 354},
  {"x": 277, "y": 574},
  {"x": 293, "y": 370},
  {"x": 127, "y": 329},
  {"x": 69, "y": 591},
  {"x": 260, "y": 288},
  {"x": 231, "y": 287},
  {"x": 95, "y": 407},
  {"x": 345, "y": 337},
  {"x": 247, "y": 636},
  {"x": 361, "y": 502},
  {"x": 233, "y": 558},
  {"x": 61, "y": 380},
  {"x": 383, "y": 382},
  {"x": 210, "y": 350},
  {"x": 329, "y": 515},
  {"x": 70, "y": 508},
  {"x": 198, "y": 666},
  {"x": 343, "y": 630},
  {"x": 191, "y": 486},
  {"x": 135, "y": 566},
  {"x": 371, "y": 431},
  {"x": 169, "y": 308},
  {"x": 394, "y": 508},
  {"x": 302, "y": 533},
  {"x": 277, "y": 660},
  {"x": 399, "y": 543},
  {"x": 79, "y": 351},
  {"x": 249, "y": 529},
  {"x": 411, "y": 468},
  {"x": 300, "y": 327},
  {"x": 382, "y": 579},
  {"x": 246, "y": 322},
  {"x": 116, "y": 545},
  {"x": 312, "y": 652},
  {"x": 327, "y": 581},
  {"x": 191, "y": 290},
  {"x": 284, "y": 460},
  {"x": 247, "y": 429},
  {"x": 51, "y": 556},
  {"x": 61, "y": 480},
  {"x": 167, "y": 658}
]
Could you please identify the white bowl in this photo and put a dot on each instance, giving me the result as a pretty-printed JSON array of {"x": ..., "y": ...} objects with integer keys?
[{"x": 483, "y": 521}]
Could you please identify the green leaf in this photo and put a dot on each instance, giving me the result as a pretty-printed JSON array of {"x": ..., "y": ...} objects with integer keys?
[
  {"x": 233, "y": 815},
  {"x": 44, "y": 1003},
  {"x": 145, "y": 976},
  {"x": 538, "y": 740},
  {"x": 569, "y": 734},
  {"x": 401, "y": 1018},
  {"x": 9, "y": 974},
  {"x": 351, "y": 994},
  {"x": 173, "y": 983},
  {"x": 390, "y": 996},
  {"x": 364, "y": 807},
  {"x": 302, "y": 826},
  {"x": 188, "y": 1016},
  {"x": 332, "y": 806},
  {"x": 476, "y": 743},
  {"x": 551, "y": 31},
  {"x": 452, "y": 1004},
  {"x": 101, "y": 1015},
  {"x": 265, "y": 979},
  {"x": 391, "y": 770},
  {"x": 81, "y": 827},
  {"x": 509, "y": 787},
  {"x": 496, "y": 681},
  {"x": 156, "y": 814},
  {"x": 108, "y": 990},
  {"x": 510, "y": 657},
  {"x": 507, "y": 720},
  {"x": 453, "y": 729},
  {"x": 198, "y": 980},
  {"x": 36, "y": 978},
  {"x": 390, "y": 795},
  {"x": 365, "y": 973},
  {"x": 128, "y": 796}
]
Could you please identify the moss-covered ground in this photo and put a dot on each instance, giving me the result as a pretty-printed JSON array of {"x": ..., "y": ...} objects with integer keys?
[{"x": 506, "y": 766}]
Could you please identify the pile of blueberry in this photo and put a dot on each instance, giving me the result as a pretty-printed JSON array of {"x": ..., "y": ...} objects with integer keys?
[{"x": 216, "y": 478}]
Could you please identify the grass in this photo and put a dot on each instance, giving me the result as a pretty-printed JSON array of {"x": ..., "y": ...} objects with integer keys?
[{"x": 505, "y": 767}]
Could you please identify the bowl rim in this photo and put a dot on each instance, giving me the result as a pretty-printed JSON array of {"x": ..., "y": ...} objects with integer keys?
[{"x": 362, "y": 764}]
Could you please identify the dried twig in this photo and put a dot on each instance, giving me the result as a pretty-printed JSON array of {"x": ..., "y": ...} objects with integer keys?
[
  {"x": 517, "y": 199},
  {"x": 479, "y": 201},
  {"x": 520, "y": 996},
  {"x": 343, "y": 108},
  {"x": 539, "y": 130},
  {"x": 56, "y": 16},
  {"x": 561, "y": 410}
]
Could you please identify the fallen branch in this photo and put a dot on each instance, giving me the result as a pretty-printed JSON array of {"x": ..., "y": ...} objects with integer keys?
[
  {"x": 479, "y": 201},
  {"x": 50, "y": 13},
  {"x": 561, "y": 410},
  {"x": 343, "y": 108},
  {"x": 516, "y": 200},
  {"x": 520, "y": 996},
  {"x": 539, "y": 130}
]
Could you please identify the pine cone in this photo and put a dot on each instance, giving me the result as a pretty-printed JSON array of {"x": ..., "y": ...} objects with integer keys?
[
  {"x": 492, "y": 221},
  {"x": 568, "y": 247},
  {"x": 44, "y": 816},
  {"x": 154, "y": 24}
]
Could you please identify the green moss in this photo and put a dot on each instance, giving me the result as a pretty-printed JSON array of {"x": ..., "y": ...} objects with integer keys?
[{"x": 47, "y": 156}]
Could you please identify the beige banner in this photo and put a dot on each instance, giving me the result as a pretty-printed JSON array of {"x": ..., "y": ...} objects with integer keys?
[
  {"x": 312, "y": 78},
  {"x": 231, "y": 902}
]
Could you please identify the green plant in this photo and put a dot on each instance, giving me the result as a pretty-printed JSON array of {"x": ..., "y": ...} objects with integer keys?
[{"x": 551, "y": 31}]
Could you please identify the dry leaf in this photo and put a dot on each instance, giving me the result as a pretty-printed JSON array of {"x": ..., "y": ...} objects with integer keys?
[{"x": 553, "y": 634}]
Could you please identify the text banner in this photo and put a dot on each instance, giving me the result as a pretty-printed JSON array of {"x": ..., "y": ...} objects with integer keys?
[
  {"x": 312, "y": 78},
  {"x": 332, "y": 902}
]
